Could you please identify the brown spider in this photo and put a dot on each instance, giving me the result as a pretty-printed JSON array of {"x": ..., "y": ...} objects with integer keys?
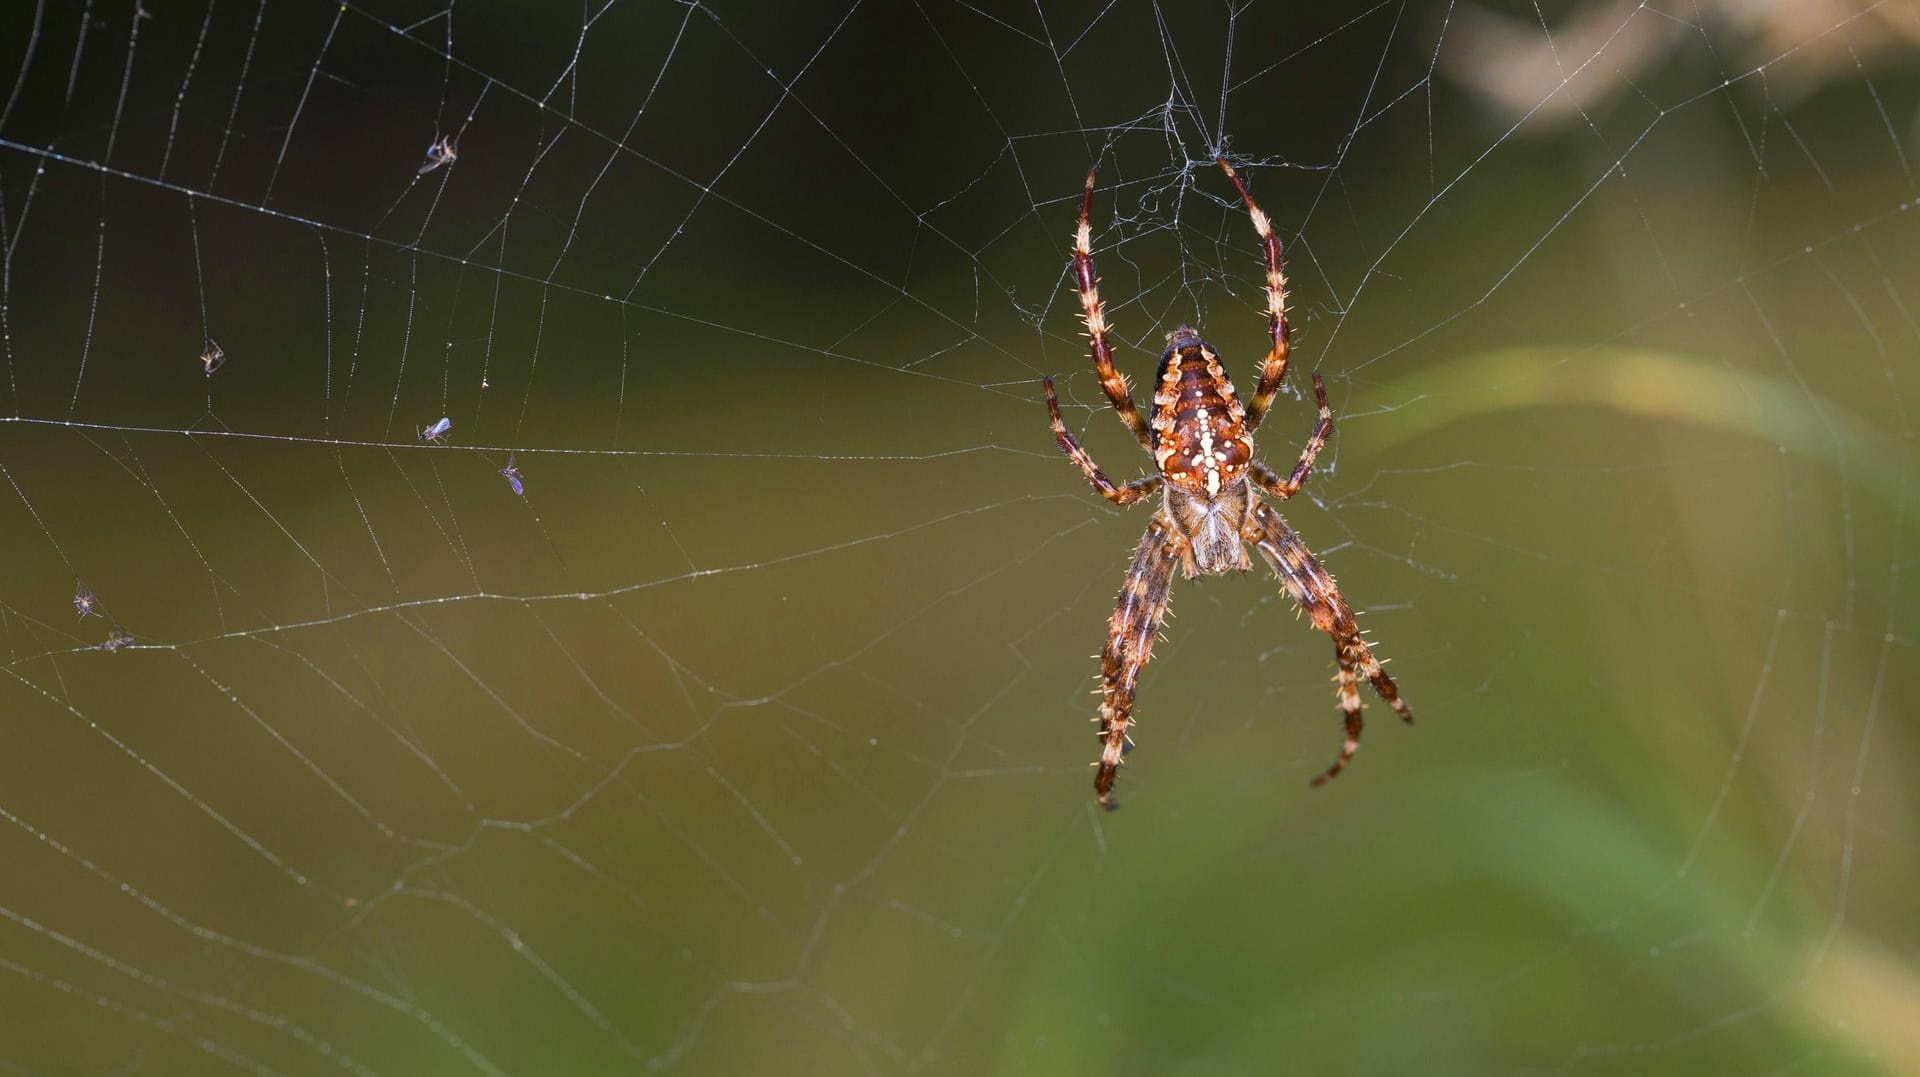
[{"x": 1201, "y": 438}]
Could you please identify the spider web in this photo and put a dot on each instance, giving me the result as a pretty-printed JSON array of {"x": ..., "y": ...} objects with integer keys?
[{"x": 711, "y": 700}]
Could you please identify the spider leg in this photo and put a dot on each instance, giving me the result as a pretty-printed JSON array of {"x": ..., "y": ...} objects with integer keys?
[
  {"x": 1089, "y": 285},
  {"x": 1312, "y": 587},
  {"x": 1130, "y": 635},
  {"x": 1349, "y": 681},
  {"x": 1274, "y": 370},
  {"x": 1119, "y": 495},
  {"x": 1270, "y": 480}
]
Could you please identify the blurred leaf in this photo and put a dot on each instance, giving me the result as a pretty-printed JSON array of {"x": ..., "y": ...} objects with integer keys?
[{"x": 1661, "y": 386}]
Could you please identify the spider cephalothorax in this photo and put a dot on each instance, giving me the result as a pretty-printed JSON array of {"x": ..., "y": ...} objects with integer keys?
[{"x": 1201, "y": 439}]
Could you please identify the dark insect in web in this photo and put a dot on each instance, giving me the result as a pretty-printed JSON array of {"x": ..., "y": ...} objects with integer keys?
[{"x": 1201, "y": 440}]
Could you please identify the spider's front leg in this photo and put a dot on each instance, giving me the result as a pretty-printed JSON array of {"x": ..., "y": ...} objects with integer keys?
[
  {"x": 1119, "y": 495},
  {"x": 1274, "y": 370},
  {"x": 1130, "y": 635},
  {"x": 1087, "y": 282},
  {"x": 1312, "y": 587}
]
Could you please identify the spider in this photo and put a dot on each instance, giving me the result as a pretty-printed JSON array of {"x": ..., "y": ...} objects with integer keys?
[{"x": 1201, "y": 440}]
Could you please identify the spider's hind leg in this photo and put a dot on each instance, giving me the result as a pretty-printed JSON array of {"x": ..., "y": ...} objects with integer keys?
[
  {"x": 1130, "y": 635},
  {"x": 1349, "y": 682},
  {"x": 1312, "y": 587}
]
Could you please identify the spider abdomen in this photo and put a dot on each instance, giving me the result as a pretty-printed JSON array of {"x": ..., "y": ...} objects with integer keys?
[{"x": 1200, "y": 438}]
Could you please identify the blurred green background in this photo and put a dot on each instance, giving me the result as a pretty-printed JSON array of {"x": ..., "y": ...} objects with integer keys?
[{"x": 753, "y": 737}]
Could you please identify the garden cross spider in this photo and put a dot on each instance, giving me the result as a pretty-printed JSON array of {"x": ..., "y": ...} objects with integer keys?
[{"x": 1201, "y": 438}]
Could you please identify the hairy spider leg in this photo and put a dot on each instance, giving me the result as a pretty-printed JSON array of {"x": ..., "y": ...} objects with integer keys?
[
  {"x": 1270, "y": 480},
  {"x": 1130, "y": 635},
  {"x": 1312, "y": 587},
  {"x": 1274, "y": 370},
  {"x": 1119, "y": 495},
  {"x": 1348, "y": 681},
  {"x": 1111, "y": 381}
]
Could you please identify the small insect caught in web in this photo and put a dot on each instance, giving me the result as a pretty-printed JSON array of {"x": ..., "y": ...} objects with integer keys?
[
  {"x": 512, "y": 475},
  {"x": 440, "y": 153},
  {"x": 212, "y": 357},
  {"x": 437, "y": 433},
  {"x": 83, "y": 600},
  {"x": 117, "y": 639}
]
